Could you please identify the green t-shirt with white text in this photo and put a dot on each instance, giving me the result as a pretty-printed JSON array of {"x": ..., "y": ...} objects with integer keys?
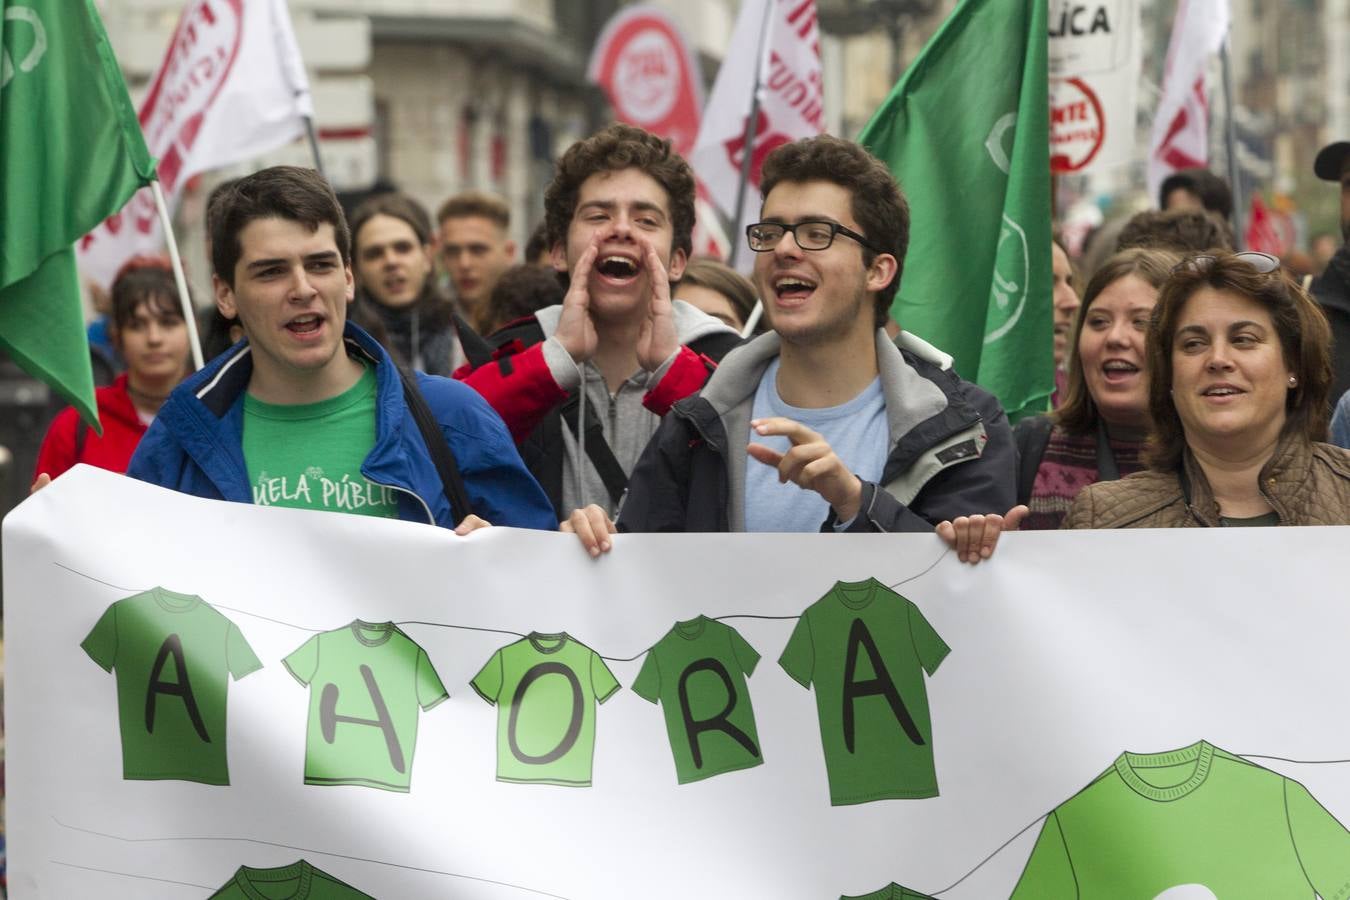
[
  {"x": 366, "y": 684},
  {"x": 697, "y": 672},
  {"x": 864, "y": 650},
  {"x": 173, "y": 655},
  {"x": 309, "y": 455},
  {"x": 1185, "y": 822},
  {"x": 545, "y": 687}
]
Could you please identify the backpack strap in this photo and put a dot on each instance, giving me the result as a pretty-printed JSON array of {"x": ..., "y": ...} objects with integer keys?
[
  {"x": 1032, "y": 436},
  {"x": 81, "y": 430},
  {"x": 597, "y": 449},
  {"x": 441, "y": 455}
]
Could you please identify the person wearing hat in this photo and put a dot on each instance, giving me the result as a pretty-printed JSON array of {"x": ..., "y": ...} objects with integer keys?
[{"x": 1331, "y": 289}]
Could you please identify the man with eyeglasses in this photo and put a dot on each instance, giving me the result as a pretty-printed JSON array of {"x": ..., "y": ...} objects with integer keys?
[{"x": 823, "y": 423}]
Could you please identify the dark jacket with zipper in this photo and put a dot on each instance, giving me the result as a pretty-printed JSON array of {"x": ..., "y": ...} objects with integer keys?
[{"x": 950, "y": 453}]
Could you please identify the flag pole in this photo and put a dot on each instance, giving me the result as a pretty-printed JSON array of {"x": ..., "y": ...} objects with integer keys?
[
  {"x": 314, "y": 145},
  {"x": 748, "y": 143},
  {"x": 1230, "y": 139},
  {"x": 189, "y": 314}
]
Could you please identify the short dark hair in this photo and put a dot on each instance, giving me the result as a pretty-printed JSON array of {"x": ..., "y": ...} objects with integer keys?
[
  {"x": 614, "y": 149},
  {"x": 522, "y": 290},
  {"x": 538, "y": 242},
  {"x": 1212, "y": 190},
  {"x": 396, "y": 205},
  {"x": 144, "y": 280},
  {"x": 878, "y": 205},
  {"x": 722, "y": 278},
  {"x": 1077, "y": 411},
  {"x": 1305, "y": 340},
  {"x": 1180, "y": 230},
  {"x": 476, "y": 203},
  {"x": 279, "y": 192}
]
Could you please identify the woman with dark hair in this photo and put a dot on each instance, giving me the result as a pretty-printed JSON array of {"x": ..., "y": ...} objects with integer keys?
[
  {"x": 148, "y": 331},
  {"x": 1098, "y": 431},
  {"x": 1239, "y": 358}
]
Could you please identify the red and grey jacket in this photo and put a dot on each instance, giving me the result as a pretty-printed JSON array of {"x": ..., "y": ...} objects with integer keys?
[{"x": 519, "y": 374}]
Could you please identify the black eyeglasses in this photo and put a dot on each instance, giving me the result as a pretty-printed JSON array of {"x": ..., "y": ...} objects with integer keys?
[
  {"x": 811, "y": 234},
  {"x": 1263, "y": 263}
]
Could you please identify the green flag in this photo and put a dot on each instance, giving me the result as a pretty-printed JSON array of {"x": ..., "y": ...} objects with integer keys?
[
  {"x": 71, "y": 154},
  {"x": 966, "y": 132}
]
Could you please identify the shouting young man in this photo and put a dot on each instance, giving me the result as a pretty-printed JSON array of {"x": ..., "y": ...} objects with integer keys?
[
  {"x": 619, "y": 213},
  {"x": 309, "y": 411},
  {"x": 824, "y": 423}
]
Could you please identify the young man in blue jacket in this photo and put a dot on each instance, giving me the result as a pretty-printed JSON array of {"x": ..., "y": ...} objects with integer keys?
[{"x": 310, "y": 411}]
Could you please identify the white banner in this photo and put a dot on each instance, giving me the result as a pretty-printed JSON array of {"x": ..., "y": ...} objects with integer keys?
[
  {"x": 1095, "y": 60},
  {"x": 791, "y": 100},
  {"x": 232, "y": 86},
  {"x": 1140, "y": 714},
  {"x": 1180, "y": 138}
]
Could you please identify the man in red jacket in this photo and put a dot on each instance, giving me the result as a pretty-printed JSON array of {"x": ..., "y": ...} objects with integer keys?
[{"x": 619, "y": 215}]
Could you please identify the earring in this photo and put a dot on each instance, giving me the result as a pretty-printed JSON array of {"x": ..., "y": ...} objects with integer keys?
[{"x": 1293, "y": 381}]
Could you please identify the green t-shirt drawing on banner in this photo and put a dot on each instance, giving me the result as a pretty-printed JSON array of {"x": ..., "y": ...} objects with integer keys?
[
  {"x": 366, "y": 684},
  {"x": 1194, "y": 822},
  {"x": 298, "y": 881},
  {"x": 173, "y": 655},
  {"x": 864, "y": 649},
  {"x": 891, "y": 891},
  {"x": 545, "y": 687},
  {"x": 697, "y": 672},
  {"x": 309, "y": 455}
]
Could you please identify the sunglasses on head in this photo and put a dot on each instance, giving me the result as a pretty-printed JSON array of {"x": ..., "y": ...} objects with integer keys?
[{"x": 1263, "y": 263}]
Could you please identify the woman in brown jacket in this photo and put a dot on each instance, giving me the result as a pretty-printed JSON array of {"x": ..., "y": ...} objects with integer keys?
[{"x": 1240, "y": 362}]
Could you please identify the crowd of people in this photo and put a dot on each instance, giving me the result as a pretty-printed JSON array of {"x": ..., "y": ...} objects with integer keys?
[{"x": 611, "y": 382}]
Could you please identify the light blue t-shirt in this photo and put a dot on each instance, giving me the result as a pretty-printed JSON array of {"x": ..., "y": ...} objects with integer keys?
[{"x": 856, "y": 430}]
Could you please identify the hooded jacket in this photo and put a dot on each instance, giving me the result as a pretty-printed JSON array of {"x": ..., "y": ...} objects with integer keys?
[
  {"x": 531, "y": 378},
  {"x": 951, "y": 450},
  {"x": 196, "y": 443},
  {"x": 1331, "y": 289},
  {"x": 69, "y": 442}
]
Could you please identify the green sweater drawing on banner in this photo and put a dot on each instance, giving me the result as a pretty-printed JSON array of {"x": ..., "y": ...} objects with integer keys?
[
  {"x": 366, "y": 684},
  {"x": 298, "y": 881},
  {"x": 173, "y": 655},
  {"x": 697, "y": 672},
  {"x": 1195, "y": 822},
  {"x": 545, "y": 687},
  {"x": 891, "y": 891},
  {"x": 865, "y": 649}
]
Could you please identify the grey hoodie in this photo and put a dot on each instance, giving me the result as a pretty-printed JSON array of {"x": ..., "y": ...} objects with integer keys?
[{"x": 627, "y": 424}]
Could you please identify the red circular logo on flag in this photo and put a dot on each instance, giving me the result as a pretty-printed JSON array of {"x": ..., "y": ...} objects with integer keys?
[
  {"x": 647, "y": 72},
  {"x": 1077, "y": 125}
]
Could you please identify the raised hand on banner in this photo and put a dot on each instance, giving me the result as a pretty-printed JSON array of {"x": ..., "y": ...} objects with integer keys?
[
  {"x": 471, "y": 523},
  {"x": 975, "y": 537},
  {"x": 592, "y": 526}
]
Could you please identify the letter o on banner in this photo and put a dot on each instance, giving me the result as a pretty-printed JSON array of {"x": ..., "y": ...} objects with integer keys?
[{"x": 573, "y": 726}]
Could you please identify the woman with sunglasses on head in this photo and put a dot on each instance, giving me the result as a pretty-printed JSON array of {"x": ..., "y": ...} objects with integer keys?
[
  {"x": 1098, "y": 431},
  {"x": 1239, "y": 358}
]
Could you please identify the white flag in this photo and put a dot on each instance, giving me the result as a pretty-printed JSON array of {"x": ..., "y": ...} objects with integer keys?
[
  {"x": 231, "y": 87},
  {"x": 791, "y": 103},
  {"x": 1181, "y": 126}
]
